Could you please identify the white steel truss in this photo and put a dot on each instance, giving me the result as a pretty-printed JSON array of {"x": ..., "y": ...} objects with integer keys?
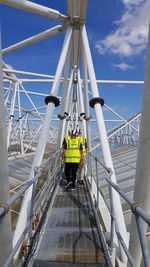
[{"x": 75, "y": 71}]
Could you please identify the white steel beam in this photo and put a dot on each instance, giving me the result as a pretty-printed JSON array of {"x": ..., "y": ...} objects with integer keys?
[
  {"x": 61, "y": 129},
  {"x": 97, "y": 81},
  {"x": 28, "y": 73},
  {"x": 52, "y": 77},
  {"x": 30, "y": 80},
  {"x": 28, "y": 146},
  {"x": 35, "y": 9},
  {"x": 31, "y": 101},
  {"x": 25, "y": 208},
  {"x": 20, "y": 124},
  {"x": 77, "y": 9},
  {"x": 82, "y": 108},
  {"x": 86, "y": 99},
  {"x": 5, "y": 222},
  {"x": 127, "y": 122},
  {"x": 7, "y": 94},
  {"x": 142, "y": 182},
  {"x": 34, "y": 39},
  {"x": 119, "y": 82},
  {"x": 38, "y": 108},
  {"x": 104, "y": 144},
  {"x": 11, "y": 115},
  {"x": 76, "y": 48},
  {"x": 69, "y": 93},
  {"x": 23, "y": 92},
  {"x": 69, "y": 98},
  {"x": 76, "y": 13}
]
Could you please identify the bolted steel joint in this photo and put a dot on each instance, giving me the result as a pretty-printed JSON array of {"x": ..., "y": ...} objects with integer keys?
[
  {"x": 52, "y": 99},
  {"x": 96, "y": 100},
  {"x": 87, "y": 118},
  {"x": 82, "y": 114},
  {"x": 5, "y": 208},
  {"x": 76, "y": 22},
  {"x": 134, "y": 206},
  {"x": 61, "y": 117}
]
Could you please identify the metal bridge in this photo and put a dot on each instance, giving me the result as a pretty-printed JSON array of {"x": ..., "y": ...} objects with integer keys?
[{"x": 102, "y": 223}]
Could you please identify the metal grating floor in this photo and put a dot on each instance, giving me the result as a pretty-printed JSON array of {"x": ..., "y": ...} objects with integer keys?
[{"x": 70, "y": 234}]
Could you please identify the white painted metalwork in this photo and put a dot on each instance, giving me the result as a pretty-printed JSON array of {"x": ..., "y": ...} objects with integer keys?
[
  {"x": 32, "y": 128},
  {"x": 66, "y": 109},
  {"x": 104, "y": 141},
  {"x": 86, "y": 99},
  {"x": 119, "y": 82},
  {"x": 35, "y": 9},
  {"x": 21, "y": 224},
  {"x": 142, "y": 182},
  {"x": 5, "y": 223},
  {"x": 125, "y": 133},
  {"x": 64, "y": 98},
  {"x": 81, "y": 105},
  {"x": 11, "y": 116},
  {"x": 7, "y": 79},
  {"x": 34, "y": 39},
  {"x": 28, "y": 73}
]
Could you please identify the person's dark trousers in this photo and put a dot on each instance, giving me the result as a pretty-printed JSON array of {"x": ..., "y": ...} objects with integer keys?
[{"x": 70, "y": 172}]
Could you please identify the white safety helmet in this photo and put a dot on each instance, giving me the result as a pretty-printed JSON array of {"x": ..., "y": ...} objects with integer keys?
[
  {"x": 74, "y": 132},
  {"x": 69, "y": 132},
  {"x": 79, "y": 131}
]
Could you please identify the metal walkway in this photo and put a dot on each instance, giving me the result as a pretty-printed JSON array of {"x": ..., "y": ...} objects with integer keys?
[{"x": 70, "y": 235}]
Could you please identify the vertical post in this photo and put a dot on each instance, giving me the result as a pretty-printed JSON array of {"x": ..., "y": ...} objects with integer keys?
[
  {"x": 81, "y": 102},
  {"x": 5, "y": 222},
  {"x": 86, "y": 100},
  {"x": 143, "y": 241},
  {"x": 68, "y": 101},
  {"x": 20, "y": 123},
  {"x": 104, "y": 143},
  {"x": 24, "y": 126},
  {"x": 142, "y": 182},
  {"x": 63, "y": 102},
  {"x": 22, "y": 220},
  {"x": 97, "y": 183},
  {"x": 7, "y": 94},
  {"x": 11, "y": 115}
]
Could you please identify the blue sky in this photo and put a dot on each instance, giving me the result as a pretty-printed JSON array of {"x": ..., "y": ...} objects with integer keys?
[{"x": 117, "y": 31}]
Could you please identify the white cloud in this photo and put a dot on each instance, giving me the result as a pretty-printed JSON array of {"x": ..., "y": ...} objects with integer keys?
[
  {"x": 132, "y": 2},
  {"x": 122, "y": 66},
  {"x": 130, "y": 37}
]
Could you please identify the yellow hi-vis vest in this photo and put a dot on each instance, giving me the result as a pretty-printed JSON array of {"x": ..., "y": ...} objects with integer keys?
[
  {"x": 83, "y": 142},
  {"x": 72, "y": 153}
]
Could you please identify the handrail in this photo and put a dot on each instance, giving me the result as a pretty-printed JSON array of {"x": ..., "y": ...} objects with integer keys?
[
  {"x": 12, "y": 254},
  {"x": 25, "y": 186},
  {"x": 53, "y": 171},
  {"x": 140, "y": 215},
  {"x": 47, "y": 161}
]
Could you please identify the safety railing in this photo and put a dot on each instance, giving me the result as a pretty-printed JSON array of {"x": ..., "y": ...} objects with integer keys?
[
  {"x": 50, "y": 170},
  {"x": 140, "y": 215}
]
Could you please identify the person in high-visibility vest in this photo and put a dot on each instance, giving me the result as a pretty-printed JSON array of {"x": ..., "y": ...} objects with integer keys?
[
  {"x": 72, "y": 155},
  {"x": 63, "y": 172},
  {"x": 83, "y": 141},
  {"x": 81, "y": 169}
]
